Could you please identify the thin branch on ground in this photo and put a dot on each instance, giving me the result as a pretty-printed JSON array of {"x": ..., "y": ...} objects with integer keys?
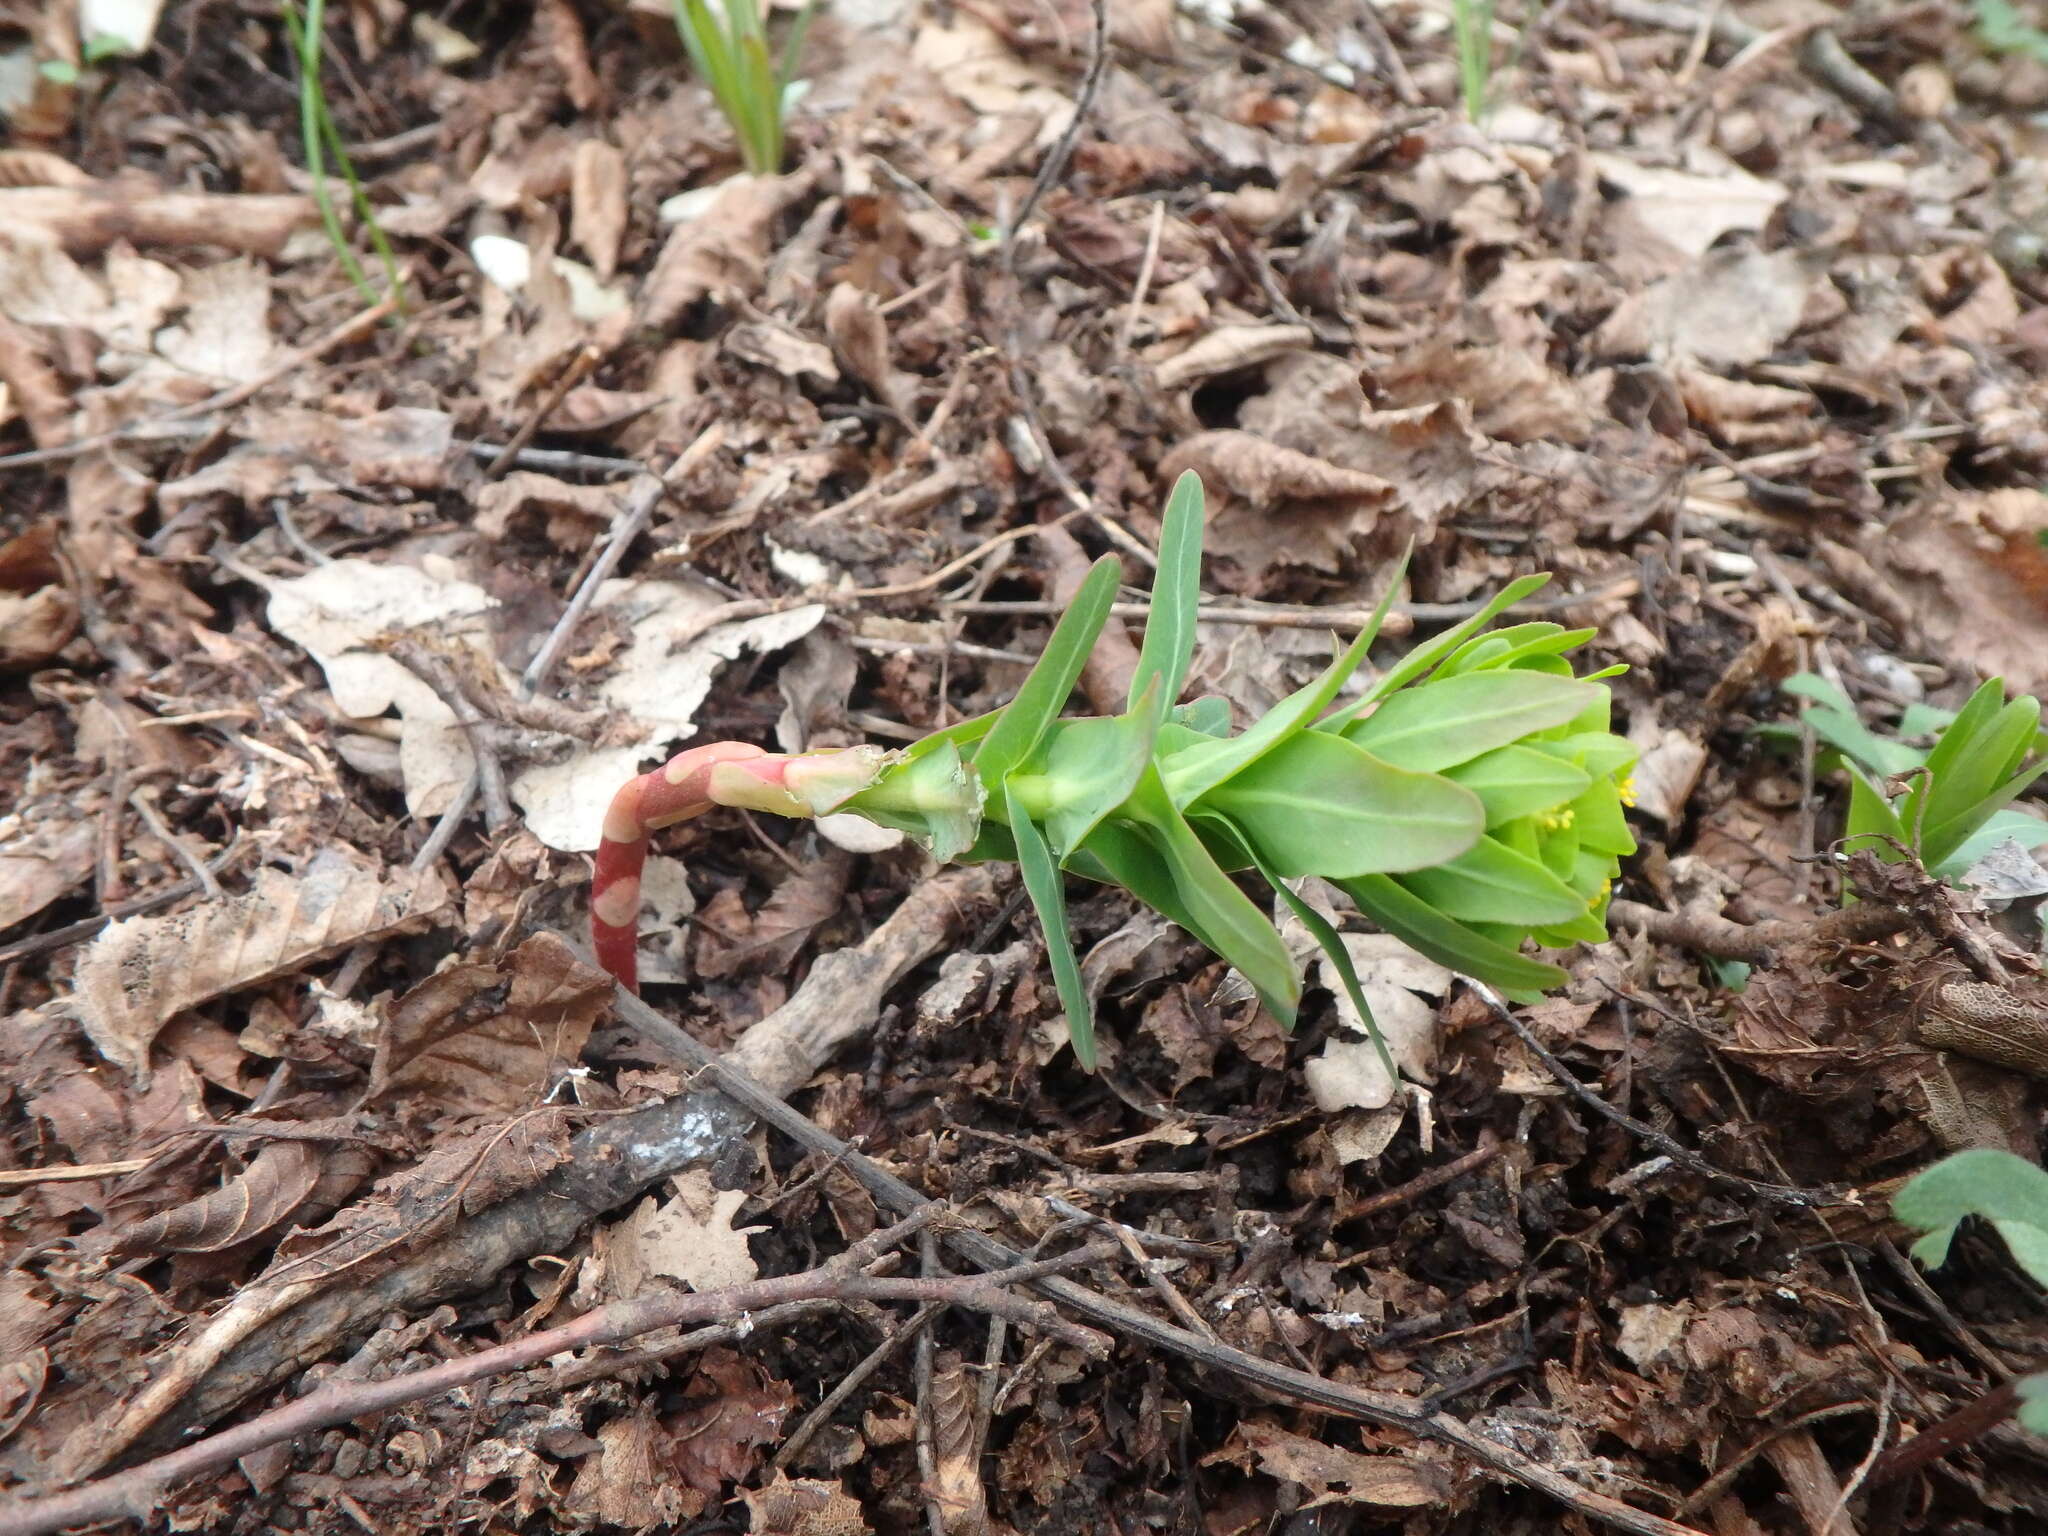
[
  {"x": 1055, "y": 163},
  {"x": 1678, "y": 1152},
  {"x": 138, "y": 1492},
  {"x": 1389, "y": 1409}
]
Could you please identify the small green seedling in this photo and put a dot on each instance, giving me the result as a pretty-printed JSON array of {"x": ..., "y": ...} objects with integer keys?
[
  {"x": 322, "y": 139},
  {"x": 2010, "y": 1193},
  {"x": 1470, "y": 799},
  {"x": 1955, "y": 799},
  {"x": 728, "y": 46}
]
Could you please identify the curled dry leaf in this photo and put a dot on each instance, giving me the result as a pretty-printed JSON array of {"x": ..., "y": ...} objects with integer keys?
[
  {"x": 1731, "y": 308},
  {"x": 861, "y": 336},
  {"x": 722, "y": 252},
  {"x": 1229, "y": 348},
  {"x": 39, "y": 168},
  {"x": 956, "y": 1486},
  {"x": 261, "y": 1196},
  {"x": 38, "y": 615},
  {"x": 775, "y": 934},
  {"x": 491, "y": 1037},
  {"x": 43, "y": 859},
  {"x": 139, "y": 973},
  {"x": 1272, "y": 505}
]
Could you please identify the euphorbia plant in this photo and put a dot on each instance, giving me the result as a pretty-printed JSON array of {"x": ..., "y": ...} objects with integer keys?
[{"x": 1469, "y": 799}]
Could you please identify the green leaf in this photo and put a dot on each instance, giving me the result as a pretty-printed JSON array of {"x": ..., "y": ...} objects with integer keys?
[
  {"x": 1492, "y": 883},
  {"x": 1199, "y": 769},
  {"x": 2034, "y": 1389},
  {"x": 1443, "y": 724},
  {"x": 1093, "y": 765},
  {"x": 1230, "y": 922},
  {"x": 1871, "y": 819},
  {"x": 1176, "y": 595},
  {"x": 1511, "y": 647},
  {"x": 2006, "y": 1190},
  {"x": 1423, "y": 657},
  {"x": 1043, "y": 883},
  {"x": 1969, "y": 757},
  {"x": 1044, "y": 692},
  {"x": 2028, "y": 831},
  {"x": 1833, "y": 720},
  {"x": 1940, "y": 843},
  {"x": 1517, "y": 781},
  {"x": 1419, "y": 925},
  {"x": 1321, "y": 805},
  {"x": 1206, "y": 716}
]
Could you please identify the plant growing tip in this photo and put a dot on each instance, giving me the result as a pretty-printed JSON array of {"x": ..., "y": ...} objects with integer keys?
[{"x": 1470, "y": 799}]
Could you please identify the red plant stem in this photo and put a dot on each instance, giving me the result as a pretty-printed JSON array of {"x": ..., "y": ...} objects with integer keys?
[{"x": 676, "y": 791}]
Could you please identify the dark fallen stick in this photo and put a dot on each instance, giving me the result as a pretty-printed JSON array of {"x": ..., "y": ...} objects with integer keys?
[{"x": 138, "y": 1492}]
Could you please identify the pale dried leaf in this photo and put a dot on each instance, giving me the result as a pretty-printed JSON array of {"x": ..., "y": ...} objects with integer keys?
[
  {"x": 1731, "y": 308},
  {"x": 659, "y": 680},
  {"x": 42, "y": 861},
  {"x": 1397, "y": 982},
  {"x": 336, "y": 610},
  {"x": 803, "y": 1506},
  {"x": 39, "y": 168},
  {"x": 861, "y": 336},
  {"x": 597, "y": 203},
  {"x": 721, "y": 253},
  {"x": 1229, "y": 348},
  {"x": 691, "y": 1238},
  {"x": 141, "y": 972},
  {"x": 1333, "y": 1475},
  {"x": 624, "y": 1483},
  {"x": 1693, "y": 209},
  {"x": 225, "y": 337}
]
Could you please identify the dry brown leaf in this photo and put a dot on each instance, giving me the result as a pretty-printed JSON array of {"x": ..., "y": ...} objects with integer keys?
[
  {"x": 691, "y": 1238},
  {"x": 956, "y": 1486},
  {"x": 1333, "y": 1475},
  {"x": 42, "y": 860},
  {"x": 1229, "y": 348},
  {"x": 861, "y": 336},
  {"x": 597, "y": 204},
  {"x": 1693, "y": 208},
  {"x": 262, "y": 1195},
  {"x": 560, "y": 34},
  {"x": 1733, "y": 307},
  {"x": 1972, "y": 295},
  {"x": 486, "y": 1038},
  {"x": 1512, "y": 395},
  {"x": 718, "y": 1442},
  {"x": 1975, "y": 573},
  {"x": 575, "y": 514},
  {"x": 1271, "y": 505},
  {"x": 1745, "y": 415},
  {"x": 802, "y": 1506},
  {"x": 140, "y": 972},
  {"x": 773, "y": 935},
  {"x": 35, "y": 387},
  {"x": 722, "y": 253},
  {"x": 624, "y": 1483},
  {"x": 86, "y": 220},
  {"x": 770, "y": 344}
]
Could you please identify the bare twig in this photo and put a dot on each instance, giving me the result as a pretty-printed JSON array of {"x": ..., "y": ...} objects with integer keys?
[
  {"x": 1966, "y": 1424},
  {"x": 1685, "y": 1157},
  {"x": 574, "y": 373},
  {"x": 1055, "y": 162},
  {"x": 145, "y": 807},
  {"x": 86, "y": 927},
  {"x": 632, "y": 518},
  {"x": 136, "y": 1492},
  {"x": 438, "y": 673}
]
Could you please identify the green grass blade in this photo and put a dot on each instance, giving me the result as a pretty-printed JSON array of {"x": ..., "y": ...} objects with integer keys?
[
  {"x": 1045, "y": 690},
  {"x": 1044, "y": 884},
  {"x": 1176, "y": 594}
]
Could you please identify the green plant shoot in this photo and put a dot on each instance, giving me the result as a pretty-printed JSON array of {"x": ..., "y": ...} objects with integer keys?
[
  {"x": 727, "y": 41},
  {"x": 1952, "y": 801},
  {"x": 1470, "y": 800},
  {"x": 322, "y": 139}
]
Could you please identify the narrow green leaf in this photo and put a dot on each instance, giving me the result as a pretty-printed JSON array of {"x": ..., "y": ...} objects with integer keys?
[
  {"x": 1321, "y": 805},
  {"x": 1231, "y": 923},
  {"x": 1043, "y": 883},
  {"x": 1045, "y": 690},
  {"x": 1967, "y": 759},
  {"x": 2033, "y": 1413},
  {"x": 1516, "y": 781},
  {"x": 1444, "y": 723},
  {"x": 2028, "y": 831},
  {"x": 1940, "y": 843},
  {"x": 1872, "y": 825},
  {"x": 1093, "y": 765},
  {"x": 1448, "y": 942},
  {"x": 1423, "y": 657},
  {"x": 1332, "y": 945},
  {"x": 1200, "y": 769},
  {"x": 1176, "y": 594},
  {"x": 1492, "y": 883}
]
